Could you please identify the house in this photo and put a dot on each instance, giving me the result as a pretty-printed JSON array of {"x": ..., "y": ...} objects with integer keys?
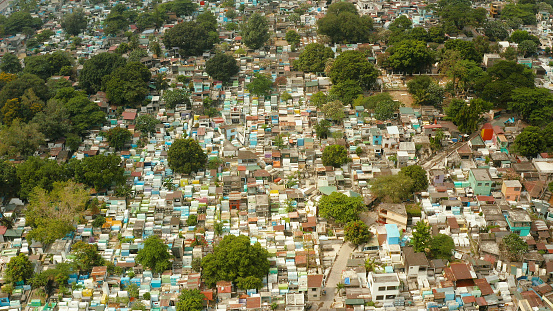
[
  {"x": 480, "y": 181},
  {"x": 511, "y": 190},
  {"x": 460, "y": 274},
  {"x": 393, "y": 214},
  {"x": 416, "y": 264},
  {"x": 519, "y": 221},
  {"x": 384, "y": 287},
  {"x": 224, "y": 290},
  {"x": 314, "y": 287}
]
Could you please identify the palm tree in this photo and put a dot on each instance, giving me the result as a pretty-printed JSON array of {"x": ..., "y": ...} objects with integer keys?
[{"x": 340, "y": 286}]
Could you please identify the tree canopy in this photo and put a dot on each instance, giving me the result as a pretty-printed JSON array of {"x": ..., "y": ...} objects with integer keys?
[
  {"x": 192, "y": 38},
  {"x": 529, "y": 142},
  {"x": 99, "y": 171},
  {"x": 186, "y": 156},
  {"x": 313, "y": 58},
  {"x": 335, "y": 155},
  {"x": 340, "y": 207},
  {"x": 190, "y": 300},
  {"x": 260, "y": 85},
  {"x": 408, "y": 56},
  {"x": 353, "y": 65},
  {"x": 154, "y": 255},
  {"x": 235, "y": 259},
  {"x": 356, "y": 232},
  {"x": 392, "y": 188},
  {"x": 96, "y": 68},
  {"x": 118, "y": 137},
  {"x": 421, "y": 237},
  {"x": 86, "y": 256},
  {"x": 74, "y": 23},
  {"x": 418, "y": 175},
  {"x": 222, "y": 67},
  {"x": 255, "y": 31},
  {"x": 425, "y": 91},
  {"x": 342, "y": 24},
  {"x": 19, "y": 269},
  {"x": 467, "y": 115}
]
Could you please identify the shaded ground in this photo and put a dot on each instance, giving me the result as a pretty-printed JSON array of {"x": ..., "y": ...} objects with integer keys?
[{"x": 402, "y": 96}]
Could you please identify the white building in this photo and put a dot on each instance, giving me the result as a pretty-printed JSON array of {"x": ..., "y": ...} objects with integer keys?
[{"x": 384, "y": 287}]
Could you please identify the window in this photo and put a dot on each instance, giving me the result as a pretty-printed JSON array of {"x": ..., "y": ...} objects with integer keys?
[
  {"x": 517, "y": 188},
  {"x": 391, "y": 288},
  {"x": 390, "y": 296},
  {"x": 380, "y": 297},
  {"x": 314, "y": 296},
  {"x": 486, "y": 184},
  {"x": 313, "y": 289},
  {"x": 479, "y": 184},
  {"x": 382, "y": 288}
]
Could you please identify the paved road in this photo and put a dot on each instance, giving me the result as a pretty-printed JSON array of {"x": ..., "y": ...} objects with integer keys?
[{"x": 335, "y": 276}]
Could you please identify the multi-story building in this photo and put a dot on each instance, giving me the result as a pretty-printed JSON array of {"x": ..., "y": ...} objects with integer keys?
[{"x": 384, "y": 287}]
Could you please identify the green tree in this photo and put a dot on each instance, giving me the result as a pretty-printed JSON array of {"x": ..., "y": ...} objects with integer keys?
[
  {"x": 260, "y": 85},
  {"x": 342, "y": 24},
  {"x": 334, "y": 111},
  {"x": 527, "y": 48},
  {"x": 356, "y": 232},
  {"x": 222, "y": 67},
  {"x": 418, "y": 175},
  {"x": 191, "y": 38},
  {"x": 353, "y": 65},
  {"x": 518, "y": 36},
  {"x": 467, "y": 49},
  {"x": 313, "y": 58},
  {"x": 467, "y": 116},
  {"x": 335, "y": 155},
  {"x": 20, "y": 20},
  {"x": 52, "y": 214},
  {"x": 86, "y": 256},
  {"x": 9, "y": 182},
  {"x": 19, "y": 269},
  {"x": 174, "y": 97},
  {"x": 392, "y": 188},
  {"x": 99, "y": 221},
  {"x": 255, "y": 31},
  {"x": 20, "y": 139},
  {"x": 128, "y": 85},
  {"x": 36, "y": 172},
  {"x": 409, "y": 56},
  {"x": 501, "y": 79},
  {"x": 190, "y": 300},
  {"x": 10, "y": 63},
  {"x": 319, "y": 99},
  {"x": 524, "y": 12},
  {"x": 425, "y": 91},
  {"x": 16, "y": 88},
  {"x": 118, "y": 137},
  {"x": 83, "y": 114},
  {"x": 422, "y": 239},
  {"x": 235, "y": 258},
  {"x": 99, "y": 171},
  {"x": 249, "y": 282},
  {"x": 515, "y": 246},
  {"x": 186, "y": 156},
  {"x": 529, "y": 142},
  {"x": 346, "y": 91},
  {"x": 401, "y": 23},
  {"x": 180, "y": 7},
  {"x": 496, "y": 30},
  {"x": 442, "y": 246},
  {"x": 146, "y": 124},
  {"x": 527, "y": 102},
  {"x": 293, "y": 38},
  {"x": 340, "y": 207},
  {"x": 322, "y": 129},
  {"x": 74, "y": 23},
  {"x": 154, "y": 255},
  {"x": 96, "y": 68}
]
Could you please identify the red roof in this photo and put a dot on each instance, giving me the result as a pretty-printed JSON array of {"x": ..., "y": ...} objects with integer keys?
[
  {"x": 314, "y": 280},
  {"x": 3, "y": 229},
  {"x": 127, "y": 115},
  {"x": 484, "y": 286}
]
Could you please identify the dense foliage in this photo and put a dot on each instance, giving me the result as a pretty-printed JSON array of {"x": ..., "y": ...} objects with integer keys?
[
  {"x": 340, "y": 207},
  {"x": 186, "y": 156},
  {"x": 236, "y": 259}
]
